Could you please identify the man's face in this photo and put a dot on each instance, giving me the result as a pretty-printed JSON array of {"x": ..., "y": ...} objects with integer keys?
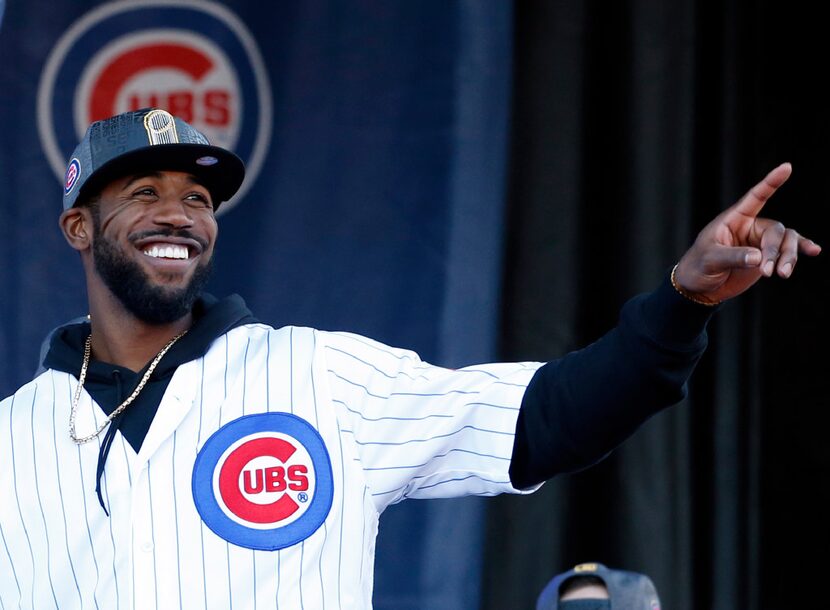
[{"x": 153, "y": 242}]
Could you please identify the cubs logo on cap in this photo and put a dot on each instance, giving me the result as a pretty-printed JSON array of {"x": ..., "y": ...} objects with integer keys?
[
  {"x": 264, "y": 481},
  {"x": 70, "y": 179}
]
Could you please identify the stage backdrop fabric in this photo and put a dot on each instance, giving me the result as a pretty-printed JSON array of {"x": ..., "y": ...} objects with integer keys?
[{"x": 375, "y": 139}]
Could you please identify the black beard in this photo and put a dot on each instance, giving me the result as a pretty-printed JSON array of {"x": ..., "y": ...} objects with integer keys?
[{"x": 130, "y": 284}]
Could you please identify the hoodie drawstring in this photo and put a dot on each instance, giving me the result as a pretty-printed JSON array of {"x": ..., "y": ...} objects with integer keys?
[{"x": 104, "y": 450}]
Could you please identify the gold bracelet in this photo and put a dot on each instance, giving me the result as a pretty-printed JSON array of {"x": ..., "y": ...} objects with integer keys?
[{"x": 689, "y": 295}]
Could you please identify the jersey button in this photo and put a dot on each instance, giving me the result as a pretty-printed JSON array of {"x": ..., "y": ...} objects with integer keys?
[{"x": 147, "y": 547}]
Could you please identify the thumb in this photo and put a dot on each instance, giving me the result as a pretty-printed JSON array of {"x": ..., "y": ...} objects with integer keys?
[{"x": 725, "y": 258}]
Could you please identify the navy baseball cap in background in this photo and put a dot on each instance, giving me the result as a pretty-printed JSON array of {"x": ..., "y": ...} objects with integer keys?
[
  {"x": 149, "y": 139},
  {"x": 626, "y": 590}
]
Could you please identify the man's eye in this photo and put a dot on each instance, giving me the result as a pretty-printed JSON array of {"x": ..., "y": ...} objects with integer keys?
[
  {"x": 144, "y": 192},
  {"x": 198, "y": 197}
]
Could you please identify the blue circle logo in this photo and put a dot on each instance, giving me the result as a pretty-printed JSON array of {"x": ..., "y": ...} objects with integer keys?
[
  {"x": 264, "y": 481},
  {"x": 193, "y": 58},
  {"x": 70, "y": 179}
]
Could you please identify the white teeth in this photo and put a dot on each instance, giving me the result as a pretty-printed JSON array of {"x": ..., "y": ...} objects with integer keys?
[{"x": 172, "y": 251}]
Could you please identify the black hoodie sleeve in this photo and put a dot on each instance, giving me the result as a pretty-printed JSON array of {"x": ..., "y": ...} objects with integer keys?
[{"x": 580, "y": 407}]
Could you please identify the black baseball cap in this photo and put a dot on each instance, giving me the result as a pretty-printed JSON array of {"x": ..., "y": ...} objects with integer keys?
[
  {"x": 626, "y": 590},
  {"x": 149, "y": 139}
]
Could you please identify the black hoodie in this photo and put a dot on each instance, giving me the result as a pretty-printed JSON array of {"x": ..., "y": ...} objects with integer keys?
[{"x": 110, "y": 384}]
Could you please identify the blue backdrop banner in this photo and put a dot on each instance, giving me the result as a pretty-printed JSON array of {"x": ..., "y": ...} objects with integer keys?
[{"x": 374, "y": 134}]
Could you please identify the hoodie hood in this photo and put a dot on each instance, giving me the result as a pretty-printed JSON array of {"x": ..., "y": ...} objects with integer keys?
[{"x": 110, "y": 384}]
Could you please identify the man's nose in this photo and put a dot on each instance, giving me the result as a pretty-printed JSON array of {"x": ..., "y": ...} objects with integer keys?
[{"x": 172, "y": 212}]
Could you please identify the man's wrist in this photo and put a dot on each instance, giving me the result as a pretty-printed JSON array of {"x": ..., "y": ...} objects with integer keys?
[{"x": 690, "y": 295}]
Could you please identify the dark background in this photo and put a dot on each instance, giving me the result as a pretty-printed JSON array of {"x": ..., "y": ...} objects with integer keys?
[{"x": 635, "y": 123}]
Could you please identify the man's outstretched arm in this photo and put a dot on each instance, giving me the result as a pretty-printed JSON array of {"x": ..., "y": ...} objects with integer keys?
[{"x": 580, "y": 407}]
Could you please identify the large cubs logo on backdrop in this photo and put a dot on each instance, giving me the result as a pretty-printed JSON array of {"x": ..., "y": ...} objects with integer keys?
[
  {"x": 264, "y": 481},
  {"x": 195, "y": 59}
]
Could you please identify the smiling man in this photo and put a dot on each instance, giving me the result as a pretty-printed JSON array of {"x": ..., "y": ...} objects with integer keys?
[
  {"x": 151, "y": 232},
  {"x": 177, "y": 453}
]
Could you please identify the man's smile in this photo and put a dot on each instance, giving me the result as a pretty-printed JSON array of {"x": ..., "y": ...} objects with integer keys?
[{"x": 167, "y": 251}]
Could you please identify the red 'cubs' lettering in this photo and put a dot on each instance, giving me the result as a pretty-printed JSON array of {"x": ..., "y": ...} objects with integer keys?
[
  {"x": 273, "y": 479},
  {"x": 150, "y": 101},
  {"x": 212, "y": 106},
  {"x": 296, "y": 474},
  {"x": 180, "y": 103},
  {"x": 217, "y": 108}
]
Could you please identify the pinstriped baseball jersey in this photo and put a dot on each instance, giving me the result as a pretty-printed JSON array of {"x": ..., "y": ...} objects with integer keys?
[{"x": 260, "y": 481}]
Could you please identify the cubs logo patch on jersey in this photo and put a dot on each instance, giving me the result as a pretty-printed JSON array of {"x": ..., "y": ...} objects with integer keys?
[{"x": 264, "y": 481}]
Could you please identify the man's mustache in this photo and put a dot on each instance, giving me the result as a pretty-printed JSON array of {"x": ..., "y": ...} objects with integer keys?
[{"x": 181, "y": 233}]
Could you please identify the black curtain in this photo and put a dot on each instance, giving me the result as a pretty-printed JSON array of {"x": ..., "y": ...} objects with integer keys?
[{"x": 634, "y": 124}]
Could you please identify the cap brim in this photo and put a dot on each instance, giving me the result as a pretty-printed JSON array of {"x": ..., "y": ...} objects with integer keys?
[
  {"x": 219, "y": 170},
  {"x": 626, "y": 589}
]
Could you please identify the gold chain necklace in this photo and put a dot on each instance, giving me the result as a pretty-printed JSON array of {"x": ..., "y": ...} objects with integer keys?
[{"x": 82, "y": 378}]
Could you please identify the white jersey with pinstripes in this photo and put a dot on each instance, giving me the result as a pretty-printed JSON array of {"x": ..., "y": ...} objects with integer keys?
[{"x": 393, "y": 427}]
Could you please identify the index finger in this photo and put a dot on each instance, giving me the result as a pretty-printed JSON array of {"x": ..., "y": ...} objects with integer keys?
[{"x": 752, "y": 203}]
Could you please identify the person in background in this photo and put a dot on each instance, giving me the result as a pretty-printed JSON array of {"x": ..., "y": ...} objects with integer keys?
[{"x": 592, "y": 586}]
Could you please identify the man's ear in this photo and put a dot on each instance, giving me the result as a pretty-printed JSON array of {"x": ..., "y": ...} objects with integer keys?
[{"x": 76, "y": 226}]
